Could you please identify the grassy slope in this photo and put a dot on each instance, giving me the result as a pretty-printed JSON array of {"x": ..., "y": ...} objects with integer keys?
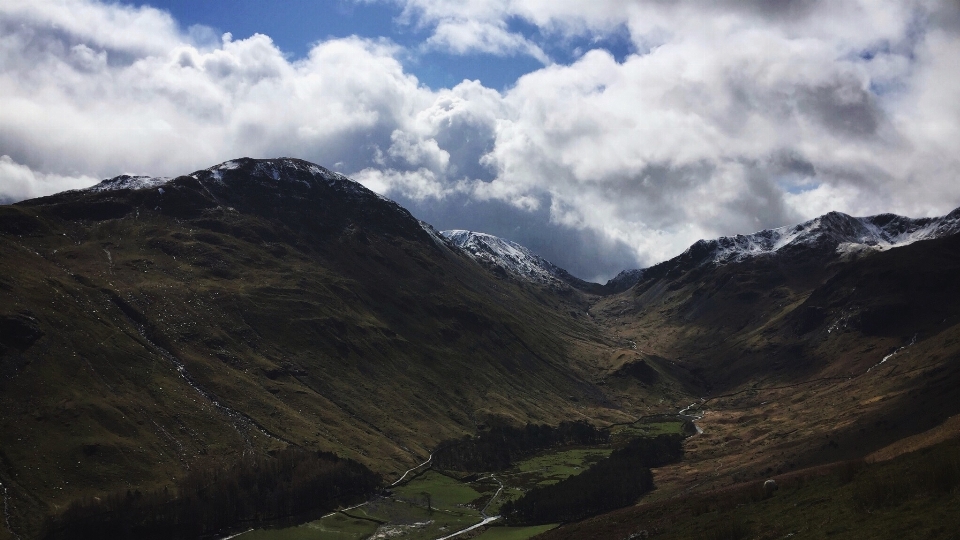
[
  {"x": 513, "y": 533},
  {"x": 903, "y": 498},
  {"x": 783, "y": 359}
]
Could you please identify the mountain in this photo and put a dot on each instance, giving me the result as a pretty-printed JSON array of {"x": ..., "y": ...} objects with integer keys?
[
  {"x": 151, "y": 325},
  {"x": 509, "y": 258},
  {"x": 733, "y": 285},
  {"x": 807, "y": 351}
]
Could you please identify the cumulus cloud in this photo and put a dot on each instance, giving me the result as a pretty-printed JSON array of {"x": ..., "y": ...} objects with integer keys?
[
  {"x": 463, "y": 36},
  {"x": 733, "y": 117},
  {"x": 73, "y": 100},
  {"x": 730, "y": 116}
]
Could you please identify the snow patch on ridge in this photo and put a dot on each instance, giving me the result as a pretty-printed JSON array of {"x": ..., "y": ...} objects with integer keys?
[
  {"x": 127, "y": 181},
  {"x": 288, "y": 170},
  {"x": 837, "y": 231}
]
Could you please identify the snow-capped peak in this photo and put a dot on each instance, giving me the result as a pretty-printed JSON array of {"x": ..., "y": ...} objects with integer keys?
[
  {"x": 834, "y": 231},
  {"x": 507, "y": 255},
  {"x": 127, "y": 181}
]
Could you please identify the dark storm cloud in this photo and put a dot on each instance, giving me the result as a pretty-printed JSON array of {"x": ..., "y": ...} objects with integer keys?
[
  {"x": 845, "y": 108},
  {"x": 584, "y": 253},
  {"x": 467, "y": 142},
  {"x": 774, "y": 9}
]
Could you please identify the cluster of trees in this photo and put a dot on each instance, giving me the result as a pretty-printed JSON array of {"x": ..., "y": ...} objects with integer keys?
[
  {"x": 614, "y": 482},
  {"x": 253, "y": 491},
  {"x": 497, "y": 448}
]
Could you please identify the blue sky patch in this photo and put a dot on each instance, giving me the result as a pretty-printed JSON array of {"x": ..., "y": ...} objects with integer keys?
[{"x": 295, "y": 25}]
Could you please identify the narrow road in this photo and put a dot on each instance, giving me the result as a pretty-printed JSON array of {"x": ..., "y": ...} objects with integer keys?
[
  {"x": 483, "y": 513},
  {"x": 693, "y": 418},
  {"x": 429, "y": 459},
  {"x": 354, "y": 507},
  {"x": 236, "y": 535},
  {"x": 483, "y": 523}
]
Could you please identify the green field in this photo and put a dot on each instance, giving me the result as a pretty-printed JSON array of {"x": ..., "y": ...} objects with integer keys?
[
  {"x": 544, "y": 469},
  {"x": 445, "y": 492},
  {"x": 652, "y": 429},
  {"x": 552, "y": 467},
  {"x": 413, "y": 519},
  {"x": 513, "y": 533}
]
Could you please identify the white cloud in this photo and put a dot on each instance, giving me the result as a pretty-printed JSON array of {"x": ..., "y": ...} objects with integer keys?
[
  {"x": 417, "y": 185},
  {"x": 20, "y": 182},
  {"x": 418, "y": 151},
  {"x": 733, "y": 116}
]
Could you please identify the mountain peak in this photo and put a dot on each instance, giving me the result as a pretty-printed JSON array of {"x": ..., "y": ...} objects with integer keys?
[
  {"x": 623, "y": 281},
  {"x": 512, "y": 258},
  {"x": 276, "y": 170},
  {"x": 505, "y": 254},
  {"x": 126, "y": 181},
  {"x": 304, "y": 196}
]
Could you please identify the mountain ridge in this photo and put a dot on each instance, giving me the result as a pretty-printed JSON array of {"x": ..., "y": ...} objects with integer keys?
[
  {"x": 833, "y": 231},
  {"x": 831, "y": 235}
]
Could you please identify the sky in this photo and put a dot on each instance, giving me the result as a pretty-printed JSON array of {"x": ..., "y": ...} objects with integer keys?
[{"x": 603, "y": 135}]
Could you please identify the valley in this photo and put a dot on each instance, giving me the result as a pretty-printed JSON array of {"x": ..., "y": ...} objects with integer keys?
[
  {"x": 268, "y": 326},
  {"x": 446, "y": 504}
]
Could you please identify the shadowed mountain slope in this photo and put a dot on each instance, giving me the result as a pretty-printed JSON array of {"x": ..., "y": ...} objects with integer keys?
[
  {"x": 806, "y": 355},
  {"x": 150, "y": 326}
]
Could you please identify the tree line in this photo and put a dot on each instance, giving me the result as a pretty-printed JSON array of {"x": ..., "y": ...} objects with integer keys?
[
  {"x": 253, "y": 491},
  {"x": 614, "y": 482},
  {"x": 497, "y": 448}
]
